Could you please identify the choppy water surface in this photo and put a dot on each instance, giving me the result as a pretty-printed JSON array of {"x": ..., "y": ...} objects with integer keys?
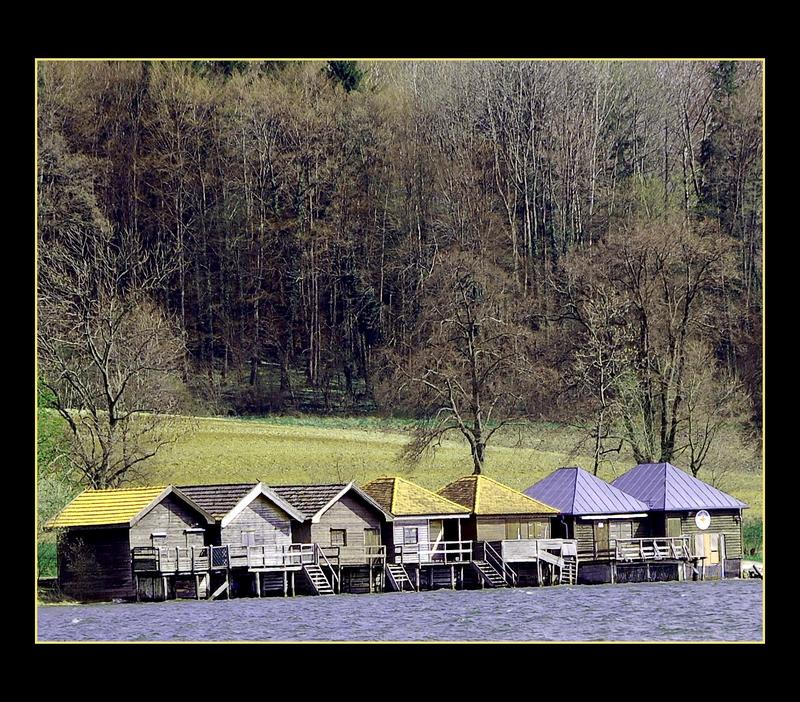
[{"x": 727, "y": 610}]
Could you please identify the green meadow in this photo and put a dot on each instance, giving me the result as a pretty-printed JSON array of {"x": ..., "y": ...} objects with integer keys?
[{"x": 287, "y": 450}]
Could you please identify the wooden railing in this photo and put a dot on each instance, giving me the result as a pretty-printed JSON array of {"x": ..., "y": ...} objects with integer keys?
[
  {"x": 653, "y": 548},
  {"x": 375, "y": 555},
  {"x": 491, "y": 556},
  {"x": 269, "y": 556},
  {"x": 197, "y": 559},
  {"x": 521, "y": 550},
  {"x": 321, "y": 558},
  {"x": 433, "y": 552},
  {"x": 174, "y": 559}
]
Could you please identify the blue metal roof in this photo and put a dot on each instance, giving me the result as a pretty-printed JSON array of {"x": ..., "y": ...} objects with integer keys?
[
  {"x": 664, "y": 487},
  {"x": 575, "y": 491}
]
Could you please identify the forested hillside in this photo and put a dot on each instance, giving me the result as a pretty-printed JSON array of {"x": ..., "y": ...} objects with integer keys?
[{"x": 302, "y": 229}]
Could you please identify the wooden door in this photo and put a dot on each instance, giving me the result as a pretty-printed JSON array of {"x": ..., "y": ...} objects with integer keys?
[
  {"x": 673, "y": 526},
  {"x": 601, "y": 538}
]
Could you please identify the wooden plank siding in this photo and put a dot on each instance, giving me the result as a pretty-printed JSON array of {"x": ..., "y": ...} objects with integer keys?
[
  {"x": 95, "y": 564},
  {"x": 494, "y": 528},
  {"x": 584, "y": 534},
  {"x": 354, "y": 516},
  {"x": 722, "y": 522},
  {"x": 269, "y": 524},
  {"x": 172, "y": 517}
]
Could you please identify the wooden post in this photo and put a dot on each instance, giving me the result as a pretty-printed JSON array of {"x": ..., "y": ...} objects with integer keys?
[
  {"x": 196, "y": 581},
  {"x": 258, "y": 583},
  {"x": 452, "y": 577},
  {"x": 285, "y": 583},
  {"x": 613, "y": 573},
  {"x": 647, "y": 571},
  {"x": 164, "y": 583},
  {"x": 292, "y": 583},
  {"x": 538, "y": 572},
  {"x": 227, "y": 584},
  {"x": 417, "y": 577},
  {"x": 136, "y": 579}
]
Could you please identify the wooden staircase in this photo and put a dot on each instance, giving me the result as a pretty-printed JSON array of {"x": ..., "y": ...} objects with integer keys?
[
  {"x": 398, "y": 577},
  {"x": 489, "y": 574},
  {"x": 568, "y": 575},
  {"x": 318, "y": 580}
]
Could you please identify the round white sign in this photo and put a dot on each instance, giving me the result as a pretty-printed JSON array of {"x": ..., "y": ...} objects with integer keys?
[{"x": 702, "y": 519}]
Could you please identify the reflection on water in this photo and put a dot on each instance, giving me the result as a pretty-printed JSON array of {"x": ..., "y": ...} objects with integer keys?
[{"x": 727, "y": 610}]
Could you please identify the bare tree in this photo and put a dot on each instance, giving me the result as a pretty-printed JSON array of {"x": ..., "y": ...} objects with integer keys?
[
  {"x": 107, "y": 353},
  {"x": 471, "y": 367}
]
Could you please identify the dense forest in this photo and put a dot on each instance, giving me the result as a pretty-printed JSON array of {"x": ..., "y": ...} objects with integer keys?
[{"x": 295, "y": 236}]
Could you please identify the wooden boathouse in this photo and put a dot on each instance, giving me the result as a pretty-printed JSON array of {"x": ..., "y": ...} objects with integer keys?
[
  {"x": 345, "y": 525},
  {"x": 513, "y": 543},
  {"x": 100, "y": 529},
  {"x": 254, "y": 553},
  {"x": 608, "y": 525},
  {"x": 424, "y": 542},
  {"x": 681, "y": 506}
]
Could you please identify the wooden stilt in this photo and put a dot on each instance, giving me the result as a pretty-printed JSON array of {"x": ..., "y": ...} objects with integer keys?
[
  {"x": 258, "y": 583},
  {"x": 164, "y": 579},
  {"x": 292, "y": 583},
  {"x": 452, "y": 577},
  {"x": 136, "y": 578},
  {"x": 228, "y": 584},
  {"x": 417, "y": 577},
  {"x": 538, "y": 573},
  {"x": 197, "y": 586}
]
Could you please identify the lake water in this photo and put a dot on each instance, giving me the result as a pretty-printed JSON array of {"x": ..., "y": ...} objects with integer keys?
[{"x": 728, "y": 610}]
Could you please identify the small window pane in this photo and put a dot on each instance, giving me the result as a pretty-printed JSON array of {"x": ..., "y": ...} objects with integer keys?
[
  {"x": 338, "y": 537},
  {"x": 410, "y": 535}
]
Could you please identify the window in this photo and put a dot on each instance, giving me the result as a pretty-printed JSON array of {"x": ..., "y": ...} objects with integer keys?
[
  {"x": 410, "y": 535},
  {"x": 158, "y": 539},
  {"x": 539, "y": 530},
  {"x": 673, "y": 526},
  {"x": 338, "y": 537},
  {"x": 512, "y": 529},
  {"x": 249, "y": 537}
]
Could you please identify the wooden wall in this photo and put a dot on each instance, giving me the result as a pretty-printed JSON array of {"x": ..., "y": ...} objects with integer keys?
[
  {"x": 584, "y": 532},
  {"x": 354, "y": 515},
  {"x": 270, "y": 524},
  {"x": 171, "y": 516},
  {"x": 722, "y": 522},
  {"x": 494, "y": 528},
  {"x": 95, "y": 564}
]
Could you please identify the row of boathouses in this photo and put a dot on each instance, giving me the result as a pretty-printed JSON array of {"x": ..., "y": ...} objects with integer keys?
[{"x": 655, "y": 522}]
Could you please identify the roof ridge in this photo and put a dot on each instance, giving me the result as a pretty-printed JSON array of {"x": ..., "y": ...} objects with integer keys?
[
  {"x": 128, "y": 489},
  {"x": 394, "y": 494},
  {"x": 575, "y": 490}
]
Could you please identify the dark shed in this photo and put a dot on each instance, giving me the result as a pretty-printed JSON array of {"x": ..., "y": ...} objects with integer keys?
[
  {"x": 347, "y": 525},
  {"x": 596, "y": 514},
  {"x": 99, "y": 529},
  {"x": 680, "y": 504}
]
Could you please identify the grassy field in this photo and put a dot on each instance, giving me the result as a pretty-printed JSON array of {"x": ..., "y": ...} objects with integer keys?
[{"x": 286, "y": 450}]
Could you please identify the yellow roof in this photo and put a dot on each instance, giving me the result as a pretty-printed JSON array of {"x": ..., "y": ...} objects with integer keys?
[
  {"x": 102, "y": 507},
  {"x": 404, "y": 498},
  {"x": 484, "y": 496}
]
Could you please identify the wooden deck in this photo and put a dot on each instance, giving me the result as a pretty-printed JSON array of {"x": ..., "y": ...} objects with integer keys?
[
  {"x": 430, "y": 553},
  {"x": 653, "y": 549},
  {"x": 202, "y": 559}
]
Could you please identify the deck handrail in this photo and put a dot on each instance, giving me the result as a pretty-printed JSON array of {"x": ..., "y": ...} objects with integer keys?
[
  {"x": 375, "y": 552},
  {"x": 320, "y": 556},
  {"x": 490, "y": 554},
  {"x": 425, "y": 552},
  {"x": 652, "y": 548}
]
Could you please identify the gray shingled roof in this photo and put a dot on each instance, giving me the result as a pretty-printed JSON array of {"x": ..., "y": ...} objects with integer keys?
[
  {"x": 664, "y": 487},
  {"x": 218, "y": 500},
  {"x": 576, "y": 491},
  {"x": 308, "y": 499}
]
